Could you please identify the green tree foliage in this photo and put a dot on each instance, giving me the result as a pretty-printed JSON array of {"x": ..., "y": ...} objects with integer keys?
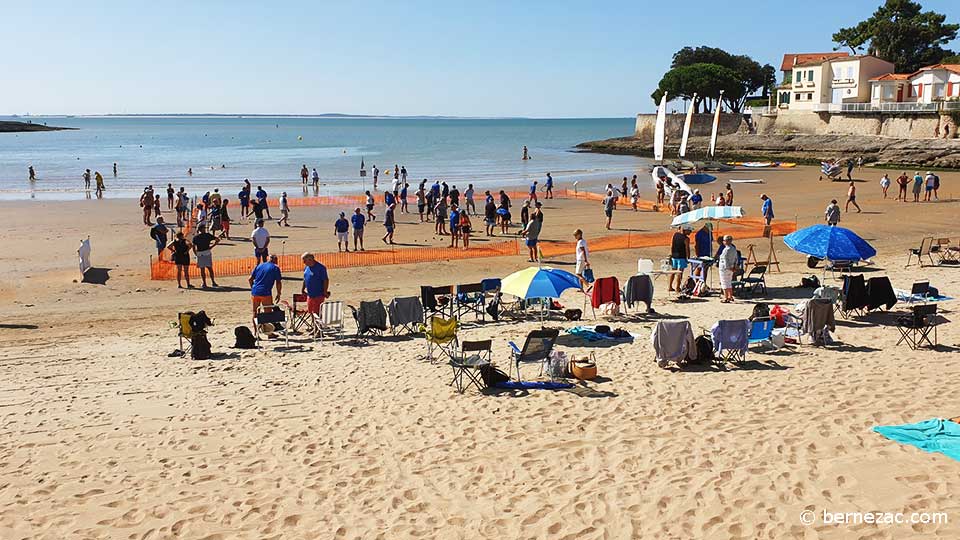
[
  {"x": 900, "y": 32},
  {"x": 707, "y": 70}
]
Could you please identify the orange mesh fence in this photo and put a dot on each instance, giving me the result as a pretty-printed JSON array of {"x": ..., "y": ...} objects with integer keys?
[{"x": 244, "y": 265}]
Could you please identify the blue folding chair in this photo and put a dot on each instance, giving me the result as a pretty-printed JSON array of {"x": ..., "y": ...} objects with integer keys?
[{"x": 761, "y": 332}]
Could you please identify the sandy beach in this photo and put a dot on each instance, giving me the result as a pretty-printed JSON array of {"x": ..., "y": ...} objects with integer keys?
[{"x": 102, "y": 435}]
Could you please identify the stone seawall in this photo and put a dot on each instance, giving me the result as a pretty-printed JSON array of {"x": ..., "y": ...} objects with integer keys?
[
  {"x": 900, "y": 125},
  {"x": 700, "y": 126}
]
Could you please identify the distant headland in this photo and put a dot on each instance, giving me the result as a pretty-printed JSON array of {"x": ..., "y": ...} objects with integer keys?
[{"x": 20, "y": 127}]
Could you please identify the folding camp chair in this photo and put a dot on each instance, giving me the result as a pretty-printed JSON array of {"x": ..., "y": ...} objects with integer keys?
[
  {"x": 915, "y": 328},
  {"x": 536, "y": 349},
  {"x": 606, "y": 290},
  {"x": 470, "y": 298},
  {"x": 754, "y": 281},
  {"x": 436, "y": 301},
  {"x": 731, "y": 340},
  {"x": 492, "y": 297},
  {"x": 761, "y": 332},
  {"x": 406, "y": 314},
  {"x": 944, "y": 250},
  {"x": 184, "y": 332},
  {"x": 371, "y": 318},
  {"x": 275, "y": 316},
  {"x": 880, "y": 293},
  {"x": 925, "y": 250},
  {"x": 840, "y": 268},
  {"x": 470, "y": 366},
  {"x": 442, "y": 335},
  {"x": 918, "y": 292},
  {"x": 853, "y": 296},
  {"x": 299, "y": 315},
  {"x": 331, "y": 320}
]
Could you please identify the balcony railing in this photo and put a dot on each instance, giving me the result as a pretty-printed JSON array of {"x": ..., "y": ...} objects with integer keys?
[{"x": 877, "y": 107}]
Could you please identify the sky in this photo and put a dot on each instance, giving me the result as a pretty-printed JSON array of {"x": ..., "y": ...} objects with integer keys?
[{"x": 552, "y": 59}]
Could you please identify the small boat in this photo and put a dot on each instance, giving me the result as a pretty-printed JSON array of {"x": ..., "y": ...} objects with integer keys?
[
  {"x": 746, "y": 181},
  {"x": 786, "y": 165},
  {"x": 698, "y": 178},
  {"x": 757, "y": 164}
]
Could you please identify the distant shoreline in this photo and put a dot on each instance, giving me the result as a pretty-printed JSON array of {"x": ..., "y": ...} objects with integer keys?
[{"x": 25, "y": 127}]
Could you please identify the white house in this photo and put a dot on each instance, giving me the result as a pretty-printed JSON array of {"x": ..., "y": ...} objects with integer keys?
[
  {"x": 926, "y": 85},
  {"x": 821, "y": 82}
]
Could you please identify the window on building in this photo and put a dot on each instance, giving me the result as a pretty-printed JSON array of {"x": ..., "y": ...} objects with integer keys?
[
  {"x": 876, "y": 92},
  {"x": 798, "y": 76},
  {"x": 796, "y": 97},
  {"x": 810, "y": 96},
  {"x": 938, "y": 90},
  {"x": 810, "y": 75}
]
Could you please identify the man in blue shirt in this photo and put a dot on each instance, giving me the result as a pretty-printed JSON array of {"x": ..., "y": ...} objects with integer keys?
[
  {"x": 389, "y": 223},
  {"x": 549, "y": 187},
  {"x": 767, "y": 208},
  {"x": 454, "y": 225},
  {"x": 340, "y": 229},
  {"x": 358, "y": 221},
  {"x": 262, "y": 199},
  {"x": 388, "y": 199},
  {"x": 316, "y": 284},
  {"x": 263, "y": 279},
  {"x": 533, "y": 192},
  {"x": 244, "y": 197}
]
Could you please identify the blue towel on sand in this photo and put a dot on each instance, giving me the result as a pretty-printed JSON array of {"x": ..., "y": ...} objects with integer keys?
[
  {"x": 589, "y": 334},
  {"x": 934, "y": 435},
  {"x": 533, "y": 385}
]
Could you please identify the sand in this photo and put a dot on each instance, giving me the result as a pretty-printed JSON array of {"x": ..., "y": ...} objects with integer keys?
[{"x": 104, "y": 436}]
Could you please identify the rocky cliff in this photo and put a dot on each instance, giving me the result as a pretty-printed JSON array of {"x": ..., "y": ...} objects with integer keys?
[
  {"x": 18, "y": 127},
  {"x": 882, "y": 151}
]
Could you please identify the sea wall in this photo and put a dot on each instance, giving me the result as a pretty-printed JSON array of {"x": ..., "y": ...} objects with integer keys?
[
  {"x": 900, "y": 125},
  {"x": 700, "y": 126}
]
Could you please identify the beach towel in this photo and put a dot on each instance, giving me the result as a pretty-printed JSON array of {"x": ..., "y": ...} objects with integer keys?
[
  {"x": 591, "y": 334},
  {"x": 639, "y": 289},
  {"x": 533, "y": 385},
  {"x": 605, "y": 290},
  {"x": 405, "y": 310},
  {"x": 880, "y": 293},
  {"x": 934, "y": 435},
  {"x": 673, "y": 342}
]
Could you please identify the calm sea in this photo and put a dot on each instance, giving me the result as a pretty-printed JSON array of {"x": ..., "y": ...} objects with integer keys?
[{"x": 270, "y": 151}]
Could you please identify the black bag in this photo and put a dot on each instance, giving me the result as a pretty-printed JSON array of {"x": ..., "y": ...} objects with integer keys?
[
  {"x": 245, "y": 339},
  {"x": 760, "y": 311},
  {"x": 704, "y": 347},
  {"x": 199, "y": 346},
  {"x": 199, "y": 322},
  {"x": 811, "y": 282},
  {"x": 492, "y": 376},
  {"x": 493, "y": 308},
  {"x": 573, "y": 314},
  {"x": 601, "y": 329}
]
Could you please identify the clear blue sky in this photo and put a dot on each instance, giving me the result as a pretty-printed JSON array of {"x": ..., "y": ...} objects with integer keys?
[{"x": 536, "y": 58}]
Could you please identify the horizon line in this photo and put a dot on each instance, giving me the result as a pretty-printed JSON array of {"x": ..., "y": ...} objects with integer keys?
[{"x": 319, "y": 115}]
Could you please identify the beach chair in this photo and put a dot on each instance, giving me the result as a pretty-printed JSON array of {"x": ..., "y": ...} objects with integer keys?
[
  {"x": 442, "y": 335},
  {"x": 406, "y": 314},
  {"x": 818, "y": 320},
  {"x": 918, "y": 292},
  {"x": 731, "y": 339},
  {"x": 752, "y": 282},
  {"x": 925, "y": 250},
  {"x": 436, "y": 301},
  {"x": 840, "y": 268},
  {"x": 761, "y": 332},
  {"x": 470, "y": 299},
  {"x": 298, "y": 314},
  {"x": 474, "y": 356},
  {"x": 916, "y": 328},
  {"x": 184, "y": 332},
  {"x": 371, "y": 318},
  {"x": 880, "y": 293},
  {"x": 853, "y": 296},
  {"x": 492, "y": 297},
  {"x": 536, "y": 349},
  {"x": 606, "y": 290},
  {"x": 944, "y": 250},
  {"x": 331, "y": 320},
  {"x": 638, "y": 290},
  {"x": 275, "y": 316},
  {"x": 673, "y": 342}
]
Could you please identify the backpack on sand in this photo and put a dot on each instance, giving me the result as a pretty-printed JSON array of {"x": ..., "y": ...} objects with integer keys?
[
  {"x": 245, "y": 339},
  {"x": 704, "y": 347}
]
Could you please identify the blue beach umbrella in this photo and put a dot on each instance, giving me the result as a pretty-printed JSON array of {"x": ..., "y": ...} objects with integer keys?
[
  {"x": 832, "y": 243},
  {"x": 543, "y": 282},
  {"x": 708, "y": 212}
]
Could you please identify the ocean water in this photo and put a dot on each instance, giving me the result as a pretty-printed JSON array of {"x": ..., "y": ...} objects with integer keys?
[{"x": 222, "y": 151}]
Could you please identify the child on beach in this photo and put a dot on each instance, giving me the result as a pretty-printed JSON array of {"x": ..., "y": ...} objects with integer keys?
[
  {"x": 225, "y": 219},
  {"x": 370, "y": 204},
  {"x": 465, "y": 228},
  {"x": 284, "y": 211},
  {"x": 885, "y": 184},
  {"x": 156, "y": 204}
]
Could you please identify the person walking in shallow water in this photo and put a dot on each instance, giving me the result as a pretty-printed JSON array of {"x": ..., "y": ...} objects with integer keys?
[{"x": 32, "y": 173}]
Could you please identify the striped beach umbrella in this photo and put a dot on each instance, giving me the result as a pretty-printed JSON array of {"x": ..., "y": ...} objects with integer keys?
[
  {"x": 543, "y": 282},
  {"x": 708, "y": 213}
]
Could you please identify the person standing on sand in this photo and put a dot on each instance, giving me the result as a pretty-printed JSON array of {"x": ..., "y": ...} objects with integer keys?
[
  {"x": 832, "y": 214},
  {"x": 490, "y": 216},
  {"x": 849, "y": 169},
  {"x": 465, "y": 228},
  {"x": 181, "y": 257},
  {"x": 404, "y": 208},
  {"x": 454, "y": 225},
  {"x": 931, "y": 181},
  {"x": 260, "y": 237},
  {"x": 609, "y": 205},
  {"x": 156, "y": 202},
  {"x": 86, "y": 179},
  {"x": 533, "y": 192},
  {"x": 936, "y": 187},
  {"x": 146, "y": 203},
  {"x": 859, "y": 163},
  {"x": 159, "y": 234},
  {"x": 262, "y": 200},
  {"x": 885, "y": 184},
  {"x": 262, "y": 280},
  {"x": 532, "y": 234},
  {"x": 316, "y": 285},
  {"x": 440, "y": 216},
  {"x": 767, "y": 209},
  {"x": 917, "y": 186},
  {"x": 32, "y": 173},
  {"x": 679, "y": 253},
  {"x": 284, "y": 210},
  {"x": 851, "y": 198},
  {"x": 421, "y": 201},
  {"x": 471, "y": 206},
  {"x": 358, "y": 222},
  {"x": 902, "y": 182},
  {"x": 403, "y": 174},
  {"x": 729, "y": 195},
  {"x": 203, "y": 244},
  {"x": 370, "y": 204},
  {"x": 244, "y": 198},
  {"x": 341, "y": 229},
  {"x": 389, "y": 224},
  {"x": 225, "y": 219},
  {"x": 729, "y": 260},
  {"x": 170, "y": 194},
  {"x": 635, "y": 195},
  {"x": 583, "y": 259},
  {"x": 548, "y": 187}
]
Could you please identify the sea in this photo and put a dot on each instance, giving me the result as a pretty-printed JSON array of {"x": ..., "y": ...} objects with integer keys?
[{"x": 269, "y": 151}]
